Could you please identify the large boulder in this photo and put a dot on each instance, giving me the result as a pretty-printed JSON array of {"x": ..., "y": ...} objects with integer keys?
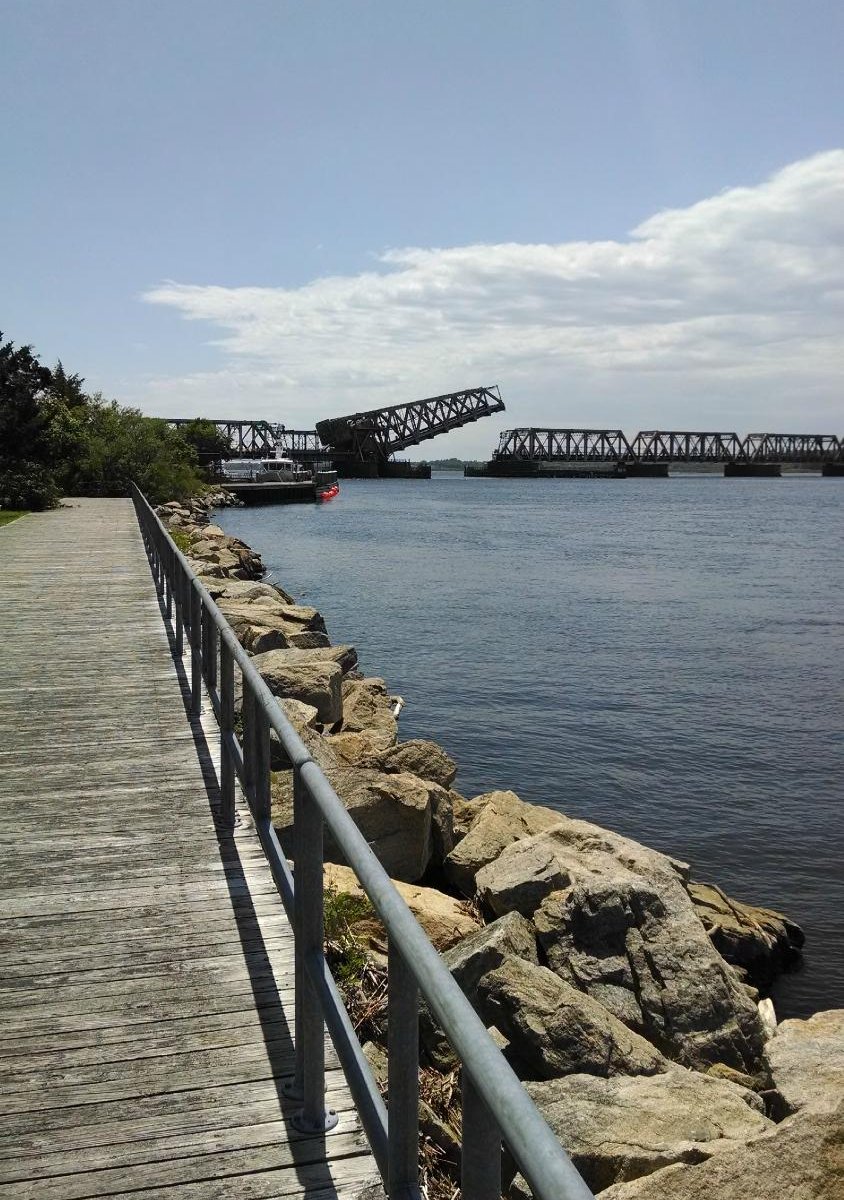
[
  {"x": 806, "y": 1061},
  {"x": 445, "y": 920},
  {"x": 628, "y": 1126},
  {"x": 557, "y": 1030},
  {"x": 245, "y": 589},
  {"x": 316, "y": 682},
  {"x": 393, "y": 812},
  {"x": 304, "y": 719},
  {"x": 759, "y": 940},
  {"x": 502, "y": 818},
  {"x": 356, "y": 749},
  {"x": 444, "y": 803},
  {"x": 262, "y": 627},
  {"x": 488, "y": 947},
  {"x": 367, "y": 709},
  {"x": 470, "y": 959},
  {"x": 615, "y": 920},
  {"x": 344, "y": 656},
  {"x": 801, "y": 1159},
  {"x": 423, "y": 758}
]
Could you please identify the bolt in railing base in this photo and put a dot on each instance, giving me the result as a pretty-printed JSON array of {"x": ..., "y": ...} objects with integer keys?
[{"x": 323, "y": 1124}]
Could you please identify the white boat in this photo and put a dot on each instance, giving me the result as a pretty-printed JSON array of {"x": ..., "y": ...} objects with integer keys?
[{"x": 264, "y": 470}]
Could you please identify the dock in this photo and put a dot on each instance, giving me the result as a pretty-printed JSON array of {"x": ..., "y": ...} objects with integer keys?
[{"x": 147, "y": 993}]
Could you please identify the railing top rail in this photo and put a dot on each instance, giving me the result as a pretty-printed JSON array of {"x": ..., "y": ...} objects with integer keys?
[{"x": 539, "y": 1155}]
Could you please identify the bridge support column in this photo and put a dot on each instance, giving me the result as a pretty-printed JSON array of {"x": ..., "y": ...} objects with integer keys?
[
  {"x": 832, "y": 470},
  {"x": 750, "y": 470},
  {"x": 647, "y": 470}
]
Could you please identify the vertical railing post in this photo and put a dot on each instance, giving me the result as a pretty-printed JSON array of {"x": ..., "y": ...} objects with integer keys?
[
  {"x": 261, "y": 782},
  {"x": 195, "y": 651},
  {"x": 402, "y": 1077},
  {"x": 227, "y": 771},
  {"x": 206, "y": 642},
  {"x": 247, "y": 714},
  {"x": 480, "y": 1172},
  {"x": 313, "y": 1117},
  {"x": 179, "y": 591},
  {"x": 210, "y": 641},
  {"x": 169, "y": 575}
]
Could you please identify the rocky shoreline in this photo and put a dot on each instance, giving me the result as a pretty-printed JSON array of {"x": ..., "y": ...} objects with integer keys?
[{"x": 629, "y": 997}]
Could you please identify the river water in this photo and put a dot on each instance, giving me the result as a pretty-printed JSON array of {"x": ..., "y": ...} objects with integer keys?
[{"x": 662, "y": 657}]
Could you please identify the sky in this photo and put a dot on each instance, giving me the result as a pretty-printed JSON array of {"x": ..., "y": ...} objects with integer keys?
[{"x": 624, "y": 213}]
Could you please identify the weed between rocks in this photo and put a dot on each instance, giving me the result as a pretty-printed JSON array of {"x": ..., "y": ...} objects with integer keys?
[{"x": 362, "y": 980}]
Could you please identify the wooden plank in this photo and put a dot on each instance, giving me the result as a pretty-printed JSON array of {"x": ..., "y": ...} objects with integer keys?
[
  {"x": 147, "y": 1000},
  {"x": 295, "y": 1152}
]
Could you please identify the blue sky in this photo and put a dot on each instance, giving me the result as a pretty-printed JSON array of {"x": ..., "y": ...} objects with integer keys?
[{"x": 294, "y": 210}]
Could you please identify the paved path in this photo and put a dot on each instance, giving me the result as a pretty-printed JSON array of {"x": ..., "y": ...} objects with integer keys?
[{"x": 146, "y": 990}]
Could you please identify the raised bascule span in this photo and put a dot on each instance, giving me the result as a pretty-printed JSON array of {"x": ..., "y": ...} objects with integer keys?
[
  {"x": 381, "y": 432},
  {"x": 533, "y": 451},
  {"x": 364, "y": 443}
]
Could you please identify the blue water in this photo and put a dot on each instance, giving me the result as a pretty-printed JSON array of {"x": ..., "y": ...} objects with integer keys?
[{"x": 660, "y": 657}]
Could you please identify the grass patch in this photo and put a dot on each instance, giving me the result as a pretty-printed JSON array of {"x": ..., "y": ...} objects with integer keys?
[
  {"x": 345, "y": 950},
  {"x": 9, "y": 515},
  {"x": 182, "y": 540}
]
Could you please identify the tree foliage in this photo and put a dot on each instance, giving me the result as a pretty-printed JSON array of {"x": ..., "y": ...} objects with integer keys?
[
  {"x": 55, "y": 439},
  {"x": 207, "y": 440},
  {"x": 121, "y": 445}
]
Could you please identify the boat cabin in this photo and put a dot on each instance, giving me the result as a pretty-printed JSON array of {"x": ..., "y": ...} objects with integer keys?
[{"x": 264, "y": 470}]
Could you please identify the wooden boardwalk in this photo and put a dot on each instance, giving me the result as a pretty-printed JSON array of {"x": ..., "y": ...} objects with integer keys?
[{"x": 146, "y": 991}]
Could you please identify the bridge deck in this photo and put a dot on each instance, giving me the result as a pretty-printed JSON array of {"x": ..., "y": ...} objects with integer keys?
[{"x": 146, "y": 994}]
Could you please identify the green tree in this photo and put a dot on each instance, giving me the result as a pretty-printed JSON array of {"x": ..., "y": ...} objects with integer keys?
[
  {"x": 38, "y": 433},
  {"x": 207, "y": 440},
  {"x": 121, "y": 445}
]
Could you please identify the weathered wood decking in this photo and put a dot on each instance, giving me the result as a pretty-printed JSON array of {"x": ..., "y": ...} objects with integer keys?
[{"x": 146, "y": 991}]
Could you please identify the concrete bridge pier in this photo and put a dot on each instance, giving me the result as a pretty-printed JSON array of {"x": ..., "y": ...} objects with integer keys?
[
  {"x": 649, "y": 470},
  {"x": 749, "y": 470}
]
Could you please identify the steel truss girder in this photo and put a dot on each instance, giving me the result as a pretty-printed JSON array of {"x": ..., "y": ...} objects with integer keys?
[
  {"x": 380, "y": 432},
  {"x": 665, "y": 446},
  {"x": 682, "y": 446},
  {"x": 793, "y": 447},
  {"x": 564, "y": 445},
  {"x": 248, "y": 439}
]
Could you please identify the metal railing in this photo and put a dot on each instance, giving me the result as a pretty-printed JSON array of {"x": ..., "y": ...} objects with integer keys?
[{"x": 495, "y": 1105}]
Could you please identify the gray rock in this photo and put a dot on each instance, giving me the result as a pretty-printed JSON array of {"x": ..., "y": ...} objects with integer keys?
[
  {"x": 616, "y": 921},
  {"x": 443, "y": 803},
  {"x": 367, "y": 709},
  {"x": 356, "y": 749},
  {"x": 423, "y": 758},
  {"x": 759, "y": 940},
  {"x": 303, "y": 718},
  {"x": 393, "y": 812},
  {"x": 801, "y": 1159},
  {"x": 481, "y": 952},
  {"x": 557, "y": 1030},
  {"x": 626, "y": 1126},
  {"x": 344, "y": 656},
  {"x": 315, "y": 682},
  {"x": 501, "y": 819},
  {"x": 473, "y": 957},
  {"x": 445, "y": 920},
  {"x": 806, "y": 1061}
]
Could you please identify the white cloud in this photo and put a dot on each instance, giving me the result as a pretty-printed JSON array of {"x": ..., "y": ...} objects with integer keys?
[{"x": 724, "y": 314}]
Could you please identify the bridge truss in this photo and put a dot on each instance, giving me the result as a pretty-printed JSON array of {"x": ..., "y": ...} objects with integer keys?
[
  {"x": 365, "y": 437},
  {"x": 660, "y": 446},
  {"x": 381, "y": 432}
]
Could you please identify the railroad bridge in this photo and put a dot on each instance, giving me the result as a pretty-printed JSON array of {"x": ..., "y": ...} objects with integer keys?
[
  {"x": 364, "y": 443},
  {"x": 535, "y": 451}
]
